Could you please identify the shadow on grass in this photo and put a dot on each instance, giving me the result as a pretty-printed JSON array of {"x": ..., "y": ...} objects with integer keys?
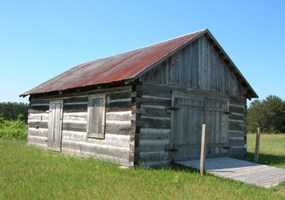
[
  {"x": 173, "y": 167},
  {"x": 267, "y": 159},
  {"x": 178, "y": 167}
]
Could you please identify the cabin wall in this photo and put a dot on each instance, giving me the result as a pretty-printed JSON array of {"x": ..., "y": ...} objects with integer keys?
[
  {"x": 118, "y": 143},
  {"x": 153, "y": 132},
  {"x": 197, "y": 67}
]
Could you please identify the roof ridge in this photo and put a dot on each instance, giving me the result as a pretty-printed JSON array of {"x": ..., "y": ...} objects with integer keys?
[
  {"x": 181, "y": 36},
  {"x": 150, "y": 45},
  {"x": 168, "y": 40}
]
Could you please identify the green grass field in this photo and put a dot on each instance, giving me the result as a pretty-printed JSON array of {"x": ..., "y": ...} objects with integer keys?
[
  {"x": 30, "y": 173},
  {"x": 272, "y": 149}
]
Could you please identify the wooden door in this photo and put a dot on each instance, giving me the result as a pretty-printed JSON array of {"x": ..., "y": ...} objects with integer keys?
[
  {"x": 216, "y": 120},
  {"x": 55, "y": 125},
  {"x": 188, "y": 116}
]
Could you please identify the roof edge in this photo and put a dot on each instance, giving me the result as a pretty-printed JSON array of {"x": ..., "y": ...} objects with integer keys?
[
  {"x": 249, "y": 88},
  {"x": 149, "y": 45}
]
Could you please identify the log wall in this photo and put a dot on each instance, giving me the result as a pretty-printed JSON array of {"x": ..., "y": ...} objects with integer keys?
[
  {"x": 237, "y": 126},
  {"x": 118, "y": 143},
  {"x": 38, "y": 123},
  {"x": 153, "y": 125}
]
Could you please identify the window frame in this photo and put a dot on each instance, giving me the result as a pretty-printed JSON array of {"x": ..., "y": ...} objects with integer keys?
[{"x": 91, "y": 116}]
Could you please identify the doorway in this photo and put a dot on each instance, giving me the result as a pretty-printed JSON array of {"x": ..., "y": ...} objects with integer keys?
[{"x": 188, "y": 115}]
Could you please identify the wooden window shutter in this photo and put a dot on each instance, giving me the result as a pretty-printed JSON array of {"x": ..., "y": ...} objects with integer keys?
[{"x": 96, "y": 116}]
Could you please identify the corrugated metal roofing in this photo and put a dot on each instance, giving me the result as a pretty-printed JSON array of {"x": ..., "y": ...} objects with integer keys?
[{"x": 125, "y": 66}]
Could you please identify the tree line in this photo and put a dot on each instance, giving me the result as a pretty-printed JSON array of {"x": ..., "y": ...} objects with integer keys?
[
  {"x": 268, "y": 114},
  {"x": 13, "y": 111}
]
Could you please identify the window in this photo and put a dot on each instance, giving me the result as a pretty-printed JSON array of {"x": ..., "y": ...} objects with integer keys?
[{"x": 96, "y": 116}]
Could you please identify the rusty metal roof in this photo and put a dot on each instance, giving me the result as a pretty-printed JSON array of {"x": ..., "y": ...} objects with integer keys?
[{"x": 121, "y": 67}]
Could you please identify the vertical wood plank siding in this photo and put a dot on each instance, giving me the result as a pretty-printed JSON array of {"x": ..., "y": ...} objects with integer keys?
[
  {"x": 116, "y": 147},
  {"x": 197, "y": 66}
]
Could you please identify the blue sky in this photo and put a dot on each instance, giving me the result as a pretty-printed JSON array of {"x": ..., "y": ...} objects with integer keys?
[{"x": 40, "y": 39}]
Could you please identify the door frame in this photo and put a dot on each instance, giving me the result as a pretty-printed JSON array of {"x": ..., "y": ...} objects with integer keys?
[{"x": 55, "y": 134}]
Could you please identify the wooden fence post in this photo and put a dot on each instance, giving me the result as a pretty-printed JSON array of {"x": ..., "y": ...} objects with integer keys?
[
  {"x": 203, "y": 149},
  {"x": 257, "y": 142}
]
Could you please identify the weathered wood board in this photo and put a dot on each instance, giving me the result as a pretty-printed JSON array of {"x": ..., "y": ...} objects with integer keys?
[{"x": 240, "y": 170}]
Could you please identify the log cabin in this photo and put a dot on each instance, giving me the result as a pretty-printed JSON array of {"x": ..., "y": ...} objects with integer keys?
[{"x": 145, "y": 107}]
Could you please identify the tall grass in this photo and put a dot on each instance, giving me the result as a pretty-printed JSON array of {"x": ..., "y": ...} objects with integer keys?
[
  {"x": 31, "y": 173},
  {"x": 272, "y": 149}
]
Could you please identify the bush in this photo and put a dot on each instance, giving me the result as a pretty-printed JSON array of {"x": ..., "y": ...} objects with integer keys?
[{"x": 12, "y": 129}]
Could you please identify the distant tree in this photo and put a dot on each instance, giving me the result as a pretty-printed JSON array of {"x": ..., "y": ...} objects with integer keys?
[
  {"x": 269, "y": 114},
  {"x": 253, "y": 116},
  {"x": 14, "y": 111}
]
